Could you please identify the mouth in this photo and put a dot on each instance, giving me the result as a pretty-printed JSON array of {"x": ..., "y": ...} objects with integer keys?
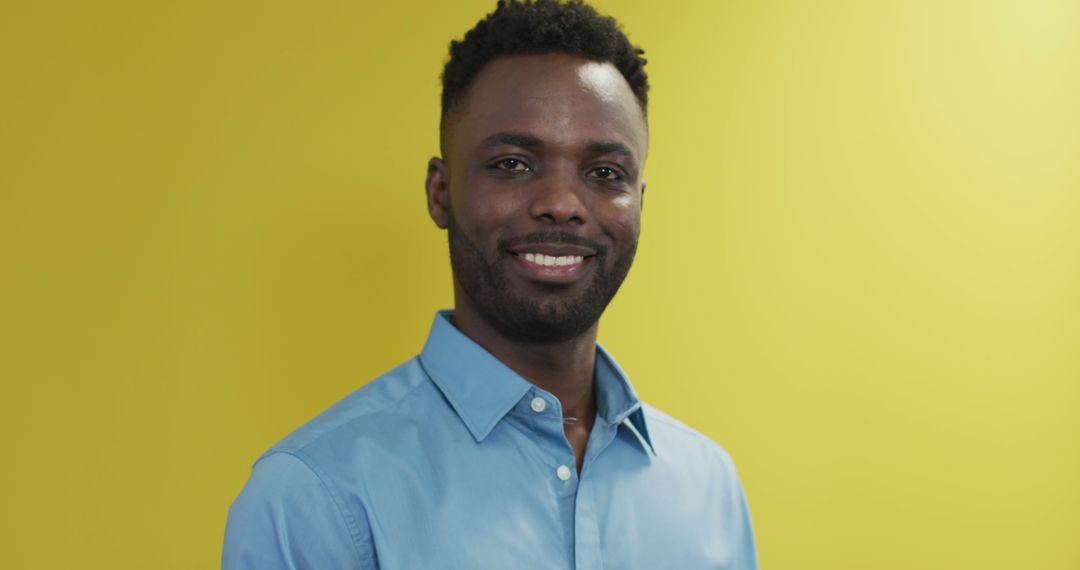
[{"x": 546, "y": 268}]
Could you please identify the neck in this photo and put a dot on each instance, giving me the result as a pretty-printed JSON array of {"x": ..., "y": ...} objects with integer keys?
[{"x": 563, "y": 368}]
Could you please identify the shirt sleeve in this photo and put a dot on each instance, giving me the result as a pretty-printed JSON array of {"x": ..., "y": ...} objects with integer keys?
[
  {"x": 287, "y": 518},
  {"x": 743, "y": 546}
]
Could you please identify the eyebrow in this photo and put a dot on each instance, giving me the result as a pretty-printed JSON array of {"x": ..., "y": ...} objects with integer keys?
[
  {"x": 514, "y": 139},
  {"x": 610, "y": 147}
]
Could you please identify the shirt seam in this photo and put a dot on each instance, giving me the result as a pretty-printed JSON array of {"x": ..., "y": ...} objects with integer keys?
[
  {"x": 385, "y": 408},
  {"x": 350, "y": 524}
]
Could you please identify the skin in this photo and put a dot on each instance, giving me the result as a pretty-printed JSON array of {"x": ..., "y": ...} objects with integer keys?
[{"x": 555, "y": 178}]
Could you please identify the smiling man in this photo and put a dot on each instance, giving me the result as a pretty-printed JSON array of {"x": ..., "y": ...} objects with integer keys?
[{"x": 513, "y": 440}]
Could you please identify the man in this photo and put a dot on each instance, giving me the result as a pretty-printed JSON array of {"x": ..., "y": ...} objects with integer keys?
[{"x": 513, "y": 440}]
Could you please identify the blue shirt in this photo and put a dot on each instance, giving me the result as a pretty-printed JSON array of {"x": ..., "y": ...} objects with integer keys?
[{"x": 453, "y": 461}]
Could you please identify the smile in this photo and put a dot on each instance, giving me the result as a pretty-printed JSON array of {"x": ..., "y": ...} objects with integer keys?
[
  {"x": 539, "y": 267},
  {"x": 553, "y": 261}
]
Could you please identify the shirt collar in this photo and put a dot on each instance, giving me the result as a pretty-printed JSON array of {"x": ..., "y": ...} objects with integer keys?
[
  {"x": 482, "y": 390},
  {"x": 616, "y": 401}
]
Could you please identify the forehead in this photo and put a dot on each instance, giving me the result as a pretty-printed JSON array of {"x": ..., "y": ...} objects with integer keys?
[{"x": 560, "y": 99}]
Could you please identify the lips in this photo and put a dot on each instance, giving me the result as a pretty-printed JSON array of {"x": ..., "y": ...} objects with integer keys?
[
  {"x": 556, "y": 264},
  {"x": 552, "y": 258}
]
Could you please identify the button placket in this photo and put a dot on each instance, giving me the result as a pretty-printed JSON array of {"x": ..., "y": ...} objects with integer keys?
[{"x": 548, "y": 425}]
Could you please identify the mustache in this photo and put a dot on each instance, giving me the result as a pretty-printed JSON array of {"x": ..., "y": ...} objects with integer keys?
[{"x": 551, "y": 237}]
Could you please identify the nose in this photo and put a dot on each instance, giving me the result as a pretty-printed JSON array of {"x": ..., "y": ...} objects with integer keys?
[{"x": 558, "y": 200}]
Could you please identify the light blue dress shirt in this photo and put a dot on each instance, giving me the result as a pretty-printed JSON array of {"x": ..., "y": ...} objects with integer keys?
[{"x": 453, "y": 461}]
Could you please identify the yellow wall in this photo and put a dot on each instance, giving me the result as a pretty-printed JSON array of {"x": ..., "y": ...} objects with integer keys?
[{"x": 860, "y": 266}]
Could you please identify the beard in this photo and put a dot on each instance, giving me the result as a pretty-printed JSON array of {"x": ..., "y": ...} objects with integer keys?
[{"x": 557, "y": 314}]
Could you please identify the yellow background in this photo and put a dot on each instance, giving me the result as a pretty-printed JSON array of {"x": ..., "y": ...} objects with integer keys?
[{"x": 859, "y": 268}]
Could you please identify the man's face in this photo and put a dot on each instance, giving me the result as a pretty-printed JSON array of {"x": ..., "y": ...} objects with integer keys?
[{"x": 542, "y": 187}]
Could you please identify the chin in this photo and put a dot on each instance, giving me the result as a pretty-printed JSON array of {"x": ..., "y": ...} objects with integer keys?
[{"x": 543, "y": 322}]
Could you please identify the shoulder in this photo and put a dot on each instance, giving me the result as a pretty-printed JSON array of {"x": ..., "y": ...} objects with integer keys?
[
  {"x": 286, "y": 517},
  {"x": 302, "y": 506},
  {"x": 388, "y": 398},
  {"x": 705, "y": 470},
  {"x": 679, "y": 441}
]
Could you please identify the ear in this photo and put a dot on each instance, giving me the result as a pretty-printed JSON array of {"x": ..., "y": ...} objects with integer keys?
[{"x": 437, "y": 187}]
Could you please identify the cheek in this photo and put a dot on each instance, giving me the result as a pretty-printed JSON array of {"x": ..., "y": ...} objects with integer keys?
[
  {"x": 484, "y": 212},
  {"x": 487, "y": 209},
  {"x": 622, "y": 219}
]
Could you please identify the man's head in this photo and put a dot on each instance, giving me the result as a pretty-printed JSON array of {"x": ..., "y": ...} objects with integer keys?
[
  {"x": 540, "y": 185},
  {"x": 538, "y": 27}
]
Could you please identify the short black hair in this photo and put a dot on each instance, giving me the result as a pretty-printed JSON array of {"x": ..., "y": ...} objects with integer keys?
[{"x": 538, "y": 27}]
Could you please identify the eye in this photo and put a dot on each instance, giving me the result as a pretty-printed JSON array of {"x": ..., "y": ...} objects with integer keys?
[
  {"x": 511, "y": 165},
  {"x": 606, "y": 173}
]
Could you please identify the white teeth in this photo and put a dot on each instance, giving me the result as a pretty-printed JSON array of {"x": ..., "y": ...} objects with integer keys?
[{"x": 552, "y": 261}]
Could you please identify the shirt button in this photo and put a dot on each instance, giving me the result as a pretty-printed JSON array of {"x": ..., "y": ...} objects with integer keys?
[
  {"x": 538, "y": 404},
  {"x": 563, "y": 472}
]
